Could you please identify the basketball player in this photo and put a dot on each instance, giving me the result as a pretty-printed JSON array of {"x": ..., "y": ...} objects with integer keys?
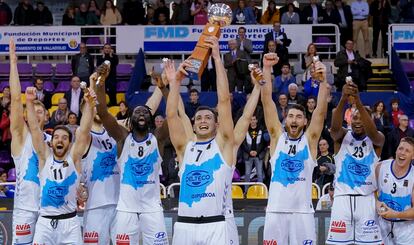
[
  {"x": 353, "y": 218},
  {"x": 139, "y": 209},
  {"x": 59, "y": 173},
  {"x": 396, "y": 196},
  {"x": 26, "y": 199},
  {"x": 289, "y": 214}
]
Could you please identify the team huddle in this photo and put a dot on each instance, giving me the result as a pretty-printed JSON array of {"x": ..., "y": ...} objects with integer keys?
[{"x": 112, "y": 168}]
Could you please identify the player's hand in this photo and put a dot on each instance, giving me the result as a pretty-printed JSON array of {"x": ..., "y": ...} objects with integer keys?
[
  {"x": 349, "y": 89},
  {"x": 320, "y": 69},
  {"x": 270, "y": 59},
  {"x": 181, "y": 73},
  {"x": 89, "y": 95},
  {"x": 212, "y": 42},
  {"x": 170, "y": 72},
  {"x": 30, "y": 94},
  {"x": 260, "y": 74},
  {"x": 385, "y": 211},
  {"x": 12, "y": 51},
  {"x": 103, "y": 72}
]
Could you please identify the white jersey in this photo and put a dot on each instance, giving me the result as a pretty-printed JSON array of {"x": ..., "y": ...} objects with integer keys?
[
  {"x": 205, "y": 180},
  {"x": 229, "y": 213},
  {"x": 59, "y": 181},
  {"x": 140, "y": 165},
  {"x": 393, "y": 191},
  {"x": 355, "y": 167},
  {"x": 27, "y": 191},
  {"x": 291, "y": 182},
  {"x": 100, "y": 172}
]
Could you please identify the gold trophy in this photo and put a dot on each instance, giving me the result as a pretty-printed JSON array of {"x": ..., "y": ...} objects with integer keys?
[
  {"x": 106, "y": 65},
  {"x": 219, "y": 15},
  {"x": 259, "y": 77},
  {"x": 85, "y": 90}
]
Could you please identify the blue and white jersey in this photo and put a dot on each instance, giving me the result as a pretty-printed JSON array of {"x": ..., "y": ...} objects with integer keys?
[
  {"x": 393, "y": 191},
  {"x": 355, "y": 167},
  {"x": 140, "y": 165},
  {"x": 205, "y": 180},
  {"x": 27, "y": 192},
  {"x": 229, "y": 213},
  {"x": 59, "y": 181},
  {"x": 291, "y": 184},
  {"x": 100, "y": 171}
]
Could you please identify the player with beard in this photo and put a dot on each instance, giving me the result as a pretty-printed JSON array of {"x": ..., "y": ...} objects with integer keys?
[
  {"x": 26, "y": 198},
  {"x": 353, "y": 218},
  {"x": 139, "y": 210},
  {"x": 59, "y": 172},
  {"x": 289, "y": 214}
]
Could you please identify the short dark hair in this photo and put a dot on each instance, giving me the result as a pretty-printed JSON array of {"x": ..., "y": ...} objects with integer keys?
[
  {"x": 395, "y": 100},
  {"x": 297, "y": 107},
  {"x": 64, "y": 128},
  {"x": 207, "y": 108},
  {"x": 409, "y": 140},
  {"x": 286, "y": 64},
  {"x": 72, "y": 113},
  {"x": 242, "y": 28},
  {"x": 311, "y": 98},
  {"x": 193, "y": 90}
]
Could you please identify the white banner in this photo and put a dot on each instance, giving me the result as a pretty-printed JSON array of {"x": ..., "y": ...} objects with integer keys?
[
  {"x": 41, "y": 40},
  {"x": 182, "y": 39},
  {"x": 403, "y": 37}
]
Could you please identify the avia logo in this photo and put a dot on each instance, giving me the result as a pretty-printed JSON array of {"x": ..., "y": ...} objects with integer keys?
[
  {"x": 198, "y": 178},
  {"x": 369, "y": 222},
  {"x": 338, "y": 226},
  {"x": 142, "y": 169},
  {"x": 358, "y": 169},
  {"x": 393, "y": 205},
  {"x": 122, "y": 239},
  {"x": 57, "y": 191},
  {"x": 160, "y": 235},
  {"x": 91, "y": 237},
  {"x": 292, "y": 165},
  {"x": 307, "y": 242},
  {"x": 269, "y": 242},
  {"x": 23, "y": 230}
]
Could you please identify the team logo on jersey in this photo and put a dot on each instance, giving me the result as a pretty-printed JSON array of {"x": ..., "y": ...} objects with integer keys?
[
  {"x": 307, "y": 242},
  {"x": 369, "y": 223},
  {"x": 370, "y": 227},
  {"x": 160, "y": 238},
  {"x": 160, "y": 235},
  {"x": 91, "y": 237},
  {"x": 57, "y": 191},
  {"x": 122, "y": 239},
  {"x": 338, "y": 226},
  {"x": 142, "y": 168},
  {"x": 393, "y": 205},
  {"x": 23, "y": 230},
  {"x": 292, "y": 165},
  {"x": 198, "y": 178},
  {"x": 405, "y": 183},
  {"x": 269, "y": 242},
  {"x": 359, "y": 169}
]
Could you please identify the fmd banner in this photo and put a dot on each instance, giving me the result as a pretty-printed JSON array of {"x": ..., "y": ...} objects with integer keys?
[
  {"x": 182, "y": 39},
  {"x": 41, "y": 40},
  {"x": 403, "y": 37}
]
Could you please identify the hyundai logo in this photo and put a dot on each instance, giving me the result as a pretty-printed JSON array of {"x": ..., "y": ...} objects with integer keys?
[
  {"x": 370, "y": 222},
  {"x": 160, "y": 235},
  {"x": 307, "y": 242}
]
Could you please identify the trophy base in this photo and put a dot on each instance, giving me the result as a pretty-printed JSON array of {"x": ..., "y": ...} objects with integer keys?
[{"x": 194, "y": 71}]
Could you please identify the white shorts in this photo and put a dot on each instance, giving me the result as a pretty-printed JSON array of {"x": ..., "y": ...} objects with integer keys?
[
  {"x": 232, "y": 232},
  {"x": 98, "y": 225},
  {"x": 129, "y": 226},
  {"x": 289, "y": 228},
  {"x": 68, "y": 231},
  {"x": 354, "y": 221},
  {"x": 214, "y": 233},
  {"x": 403, "y": 232},
  {"x": 24, "y": 223}
]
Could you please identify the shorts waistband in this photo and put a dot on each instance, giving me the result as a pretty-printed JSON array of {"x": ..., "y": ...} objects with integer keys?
[
  {"x": 361, "y": 19},
  {"x": 60, "y": 216},
  {"x": 201, "y": 219}
]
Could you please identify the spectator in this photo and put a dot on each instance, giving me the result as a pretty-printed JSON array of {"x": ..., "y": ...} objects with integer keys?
[
  {"x": 110, "y": 14},
  {"x": 407, "y": 11},
  {"x": 360, "y": 12},
  {"x": 285, "y": 8},
  {"x": 199, "y": 10},
  {"x": 311, "y": 86},
  {"x": 123, "y": 111},
  {"x": 243, "y": 15},
  {"x": 69, "y": 17},
  {"x": 345, "y": 23},
  {"x": 42, "y": 15},
  {"x": 395, "y": 12},
  {"x": 312, "y": 13},
  {"x": 60, "y": 116},
  {"x": 3, "y": 179},
  {"x": 159, "y": 121},
  {"x": 48, "y": 128},
  {"x": 162, "y": 20},
  {"x": 347, "y": 66},
  {"x": 349, "y": 114},
  {"x": 293, "y": 96},
  {"x": 72, "y": 124},
  {"x": 84, "y": 17},
  {"x": 396, "y": 112},
  {"x": 282, "y": 82},
  {"x": 395, "y": 136},
  {"x": 282, "y": 52},
  {"x": 236, "y": 62},
  {"x": 73, "y": 96},
  {"x": 182, "y": 13},
  {"x": 133, "y": 12},
  {"x": 243, "y": 43},
  {"x": 192, "y": 105},
  {"x": 110, "y": 83},
  {"x": 5, "y": 127},
  {"x": 290, "y": 16},
  {"x": 324, "y": 172},
  {"x": 93, "y": 8},
  {"x": 41, "y": 94},
  {"x": 326, "y": 201},
  {"x": 282, "y": 107},
  {"x": 208, "y": 78},
  {"x": 307, "y": 61},
  {"x": 379, "y": 10},
  {"x": 381, "y": 117},
  {"x": 254, "y": 149},
  {"x": 150, "y": 17},
  {"x": 277, "y": 35},
  {"x": 310, "y": 107},
  {"x": 162, "y": 8},
  {"x": 330, "y": 15},
  {"x": 257, "y": 12},
  {"x": 271, "y": 15},
  {"x": 5, "y": 99},
  {"x": 82, "y": 64},
  {"x": 6, "y": 14},
  {"x": 24, "y": 13}
]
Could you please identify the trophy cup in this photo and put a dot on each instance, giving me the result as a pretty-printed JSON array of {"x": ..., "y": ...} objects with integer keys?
[
  {"x": 219, "y": 15},
  {"x": 84, "y": 88},
  {"x": 102, "y": 67},
  {"x": 259, "y": 77}
]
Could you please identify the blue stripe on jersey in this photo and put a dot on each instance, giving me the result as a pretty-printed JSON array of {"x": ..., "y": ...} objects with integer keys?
[
  {"x": 288, "y": 168},
  {"x": 354, "y": 172},
  {"x": 54, "y": 193},
  {"x": 32, "y": 171},
  {"x": 137, "y": 171},
  {"x": 398, "y": 204},
  {"x": 104, "y": 164},
  {"x": 196, "y": 178}
]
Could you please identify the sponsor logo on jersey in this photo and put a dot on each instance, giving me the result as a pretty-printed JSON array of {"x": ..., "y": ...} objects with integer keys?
[
  {"x": 203, "y": 195},
  {"x": 307, "y": 242},
  {"x": 269, "y": 242},
  {"x": 23, "y": 230},
  {"x": 338, "y": 226},
  {"x": 122, "y": 239},
  {"x": 57, "y": 191},
  {"x": 393, "y": 205},
  {"x": 141, "y": 168},
  {"x": 370, "y": 227},
  {"x": 359, "y": 169},
  {"x": 160, "y": 238},
  {"x": 198, "y": 178},
  {"x": 369, "y": 223},
  {"x": 91, "y": 237},
  {"x": 292, "y": 165},
  {"x": 160, "y": 235},
  {"x": 405, "y": 183}
]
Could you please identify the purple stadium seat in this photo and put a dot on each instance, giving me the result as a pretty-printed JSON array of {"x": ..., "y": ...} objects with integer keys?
[
  {"x": 411, "y": 122},
  {"x": 11, "y": 175},
  {"x": 63, "y": 69},
  {"x": 49, "y": 86},
  {"x": 123, "y": 70},
  {"x": 408, "y": 67},
  {"x": 62, "y": 87},
  {"x": 44, "y": 70},
  {"x": 25, "y": 84},
  {"x": 3, "y": 85},
  {"x": 93, "y": 41},
  {"x": 25, "y": 70},
  {"x": 122, "y": 86},
  {"x": 4, "y": 70},
  {"x": 5, "y": 157},
  {"x": 323, "y": 40}
]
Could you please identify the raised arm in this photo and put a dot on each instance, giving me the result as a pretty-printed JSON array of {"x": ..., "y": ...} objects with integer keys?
[
  {"x": 154, "y": 101},
  {"x": 269, "y": 107},
  {"x": 337, "y": 131},
  {"x": 37, "y": 134}
]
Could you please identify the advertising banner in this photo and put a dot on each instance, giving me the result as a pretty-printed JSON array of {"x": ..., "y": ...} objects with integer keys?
[{"x": 403, "y": 37}]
